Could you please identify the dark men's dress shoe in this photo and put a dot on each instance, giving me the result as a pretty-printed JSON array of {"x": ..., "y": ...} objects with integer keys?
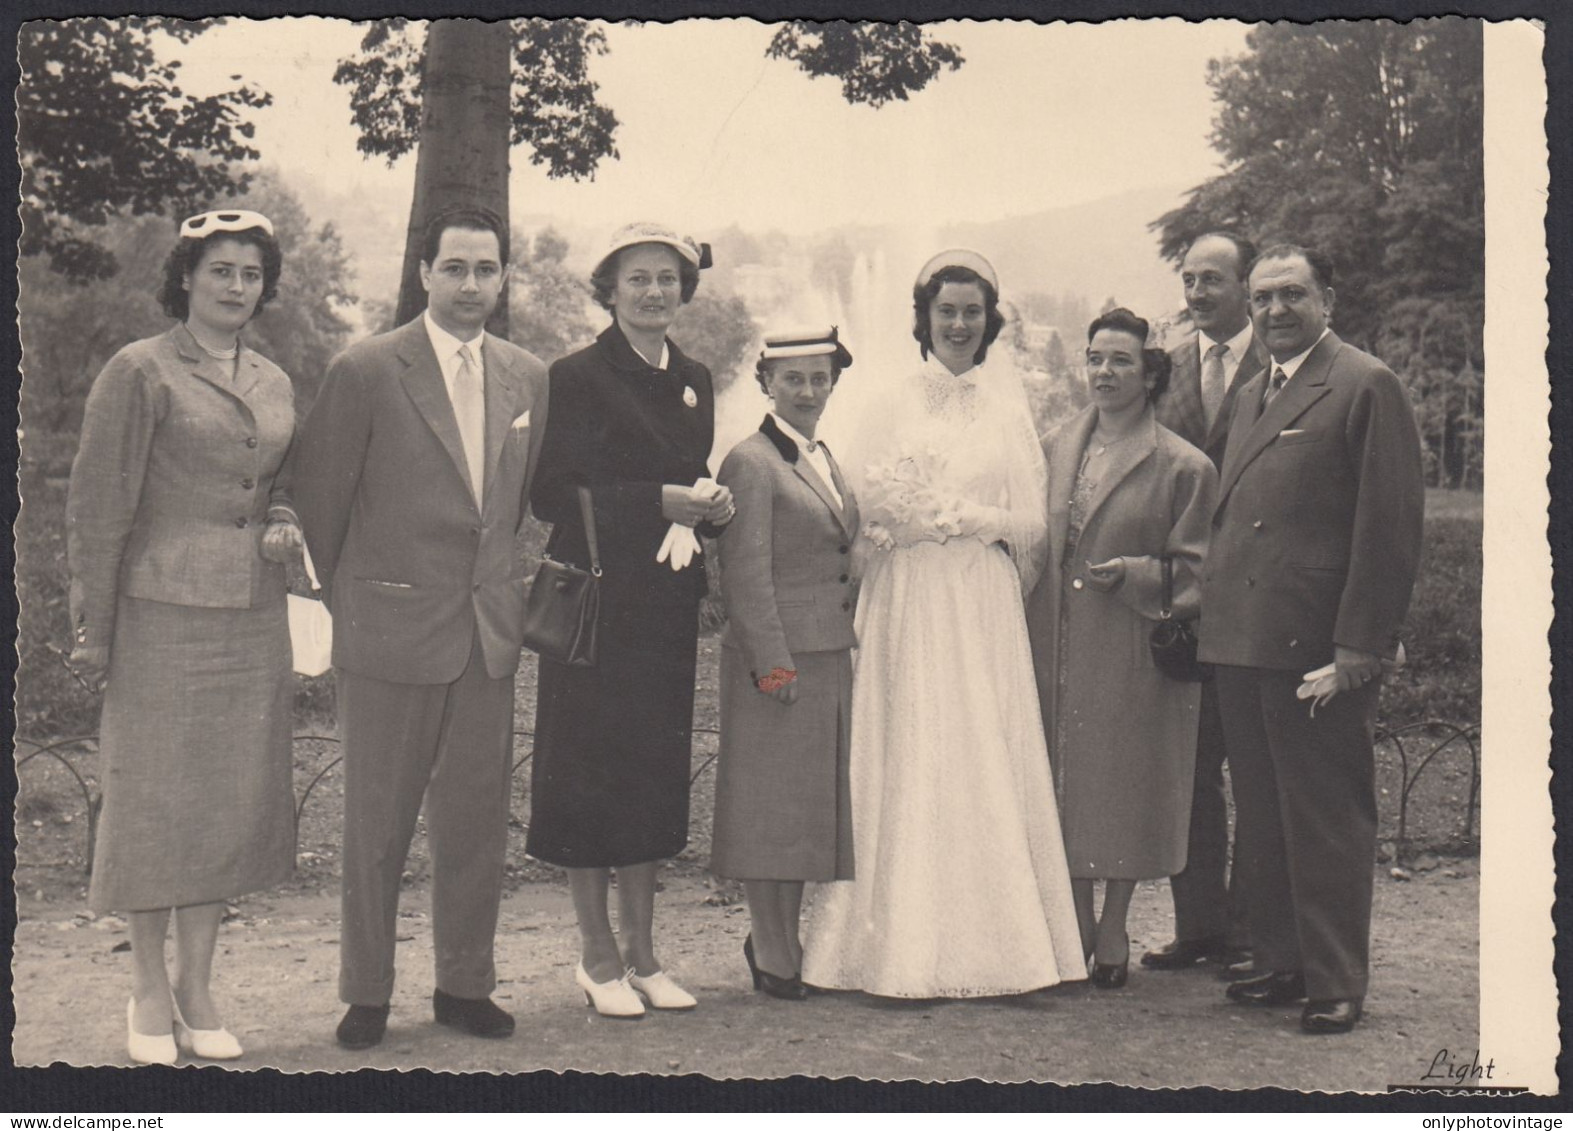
[
  {"x": 1336, "y": 1016},
  {"x": 1241, "y": 970},
  {"x": 479, "y": 1017},
  {"x": 363, "y": 1026},
  {"x": 1182, "y": 954},
  {"x": 1278, "y": 988}
]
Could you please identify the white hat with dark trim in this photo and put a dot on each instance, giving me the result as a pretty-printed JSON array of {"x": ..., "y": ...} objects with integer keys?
[
  {"x": 643, "y": 231},
  {"x": 960, "y": 257},
  {"x": 807, "y": 342}
]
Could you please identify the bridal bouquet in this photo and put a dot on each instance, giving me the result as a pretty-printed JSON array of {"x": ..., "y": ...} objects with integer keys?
[{"x": 906, "y": 499}]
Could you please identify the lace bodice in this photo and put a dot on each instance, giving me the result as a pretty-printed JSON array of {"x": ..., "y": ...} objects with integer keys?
[{"x": 956, "y": 457}]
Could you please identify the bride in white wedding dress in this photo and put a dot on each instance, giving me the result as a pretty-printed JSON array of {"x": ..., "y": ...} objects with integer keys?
[{"x": 961, "y": 886}]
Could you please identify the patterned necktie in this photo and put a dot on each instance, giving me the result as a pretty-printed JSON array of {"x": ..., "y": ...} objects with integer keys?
[
  {"x": 1274, "y": 387},
  {"x": 469, "y": 406},
  {"x": 1212, "y": 381}
]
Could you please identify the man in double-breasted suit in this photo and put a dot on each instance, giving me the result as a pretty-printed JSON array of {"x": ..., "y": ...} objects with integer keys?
[
  {"x": 1207, "y": 369},
  {"x": 1316, "y": 542},
  {"x": 412, "y": 474}
]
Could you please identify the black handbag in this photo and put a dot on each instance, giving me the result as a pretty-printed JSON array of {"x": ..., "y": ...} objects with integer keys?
[
  {"x": 1173, "y": 642},
  {"x": 564, "y": 603}
]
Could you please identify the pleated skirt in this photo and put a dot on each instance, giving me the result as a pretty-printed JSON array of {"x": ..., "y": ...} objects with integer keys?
[
  {"x": 194, "y": 742},
  {"x": 783, "y": 806}
]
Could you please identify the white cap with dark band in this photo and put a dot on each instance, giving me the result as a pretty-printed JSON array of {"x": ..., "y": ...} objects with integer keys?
[{"x": 807, "y": 342}]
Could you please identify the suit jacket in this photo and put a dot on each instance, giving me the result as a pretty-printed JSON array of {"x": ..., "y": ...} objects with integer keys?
[
  {"x": 785, "y": 558},
  {"x": 176, "y": 469},
  {"x": 411, "y": 567},
  {"x": 1180, "y": 409},
  {"x": 1316, "y": 540},
  {"x": 623, "y": 428}
]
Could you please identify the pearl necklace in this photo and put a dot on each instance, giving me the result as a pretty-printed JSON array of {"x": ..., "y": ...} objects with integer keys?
[{"x": 217, "y": 355}]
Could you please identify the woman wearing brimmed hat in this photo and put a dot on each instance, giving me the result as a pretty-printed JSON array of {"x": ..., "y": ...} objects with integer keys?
[
  {"x": 632, "y": 419},
  {"x": 177, "y": 531},
  {"x": 961, "y": 887},
  {"x": 783, "y": 812}
]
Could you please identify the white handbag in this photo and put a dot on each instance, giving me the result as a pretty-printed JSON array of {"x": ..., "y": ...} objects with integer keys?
[{"x": 310, "y": 627}]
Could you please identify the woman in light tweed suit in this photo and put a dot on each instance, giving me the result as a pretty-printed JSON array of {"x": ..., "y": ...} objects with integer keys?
[
  {"x": 782, "y": 811},
  {"x": 177, "y": 528}
]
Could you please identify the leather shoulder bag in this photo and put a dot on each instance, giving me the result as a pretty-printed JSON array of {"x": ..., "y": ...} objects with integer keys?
[{"x": 564, "y": 602}]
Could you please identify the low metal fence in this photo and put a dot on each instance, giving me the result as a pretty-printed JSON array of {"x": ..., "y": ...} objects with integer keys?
[{"x": 1415, "y": 747}]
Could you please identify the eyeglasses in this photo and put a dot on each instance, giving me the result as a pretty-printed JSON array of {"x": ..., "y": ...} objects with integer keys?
[{"x": 209, "y": 222}]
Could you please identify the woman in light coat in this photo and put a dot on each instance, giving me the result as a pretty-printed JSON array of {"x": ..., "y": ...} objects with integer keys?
[
  {"x": 1123, "y": 492},
  {"x": 783, "y": 811},
  {"x": 178, "y": 525}
]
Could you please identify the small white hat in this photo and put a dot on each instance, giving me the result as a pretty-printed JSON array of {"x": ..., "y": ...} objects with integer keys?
[
  {"x": 807, "y": 341},
  {"x": 643, "y": 231},
  {"x": 960, "y": 257}
]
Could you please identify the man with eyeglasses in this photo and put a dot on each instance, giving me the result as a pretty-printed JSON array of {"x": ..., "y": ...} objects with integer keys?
[
  {"x": 411, "y": 477},
  {"x": 1315, "y": 546}
]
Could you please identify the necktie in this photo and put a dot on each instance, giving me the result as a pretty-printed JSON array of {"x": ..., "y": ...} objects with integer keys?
[
  {"x": 1212, "y": 381},
  {"x": 1274, "y": 387},
  {"x": 469, "y": 406}
]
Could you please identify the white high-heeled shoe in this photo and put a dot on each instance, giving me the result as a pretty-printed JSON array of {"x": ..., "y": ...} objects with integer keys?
[
  {"x": 614, "y": 999},
  {"x": 209, "y": 1044},
  {"x": 145, "y": 1048},
  {"x": 661, "y": 991}
]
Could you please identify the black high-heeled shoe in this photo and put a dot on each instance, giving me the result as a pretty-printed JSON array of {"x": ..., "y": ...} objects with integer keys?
[
  {"x": 787, "y": 989},
  {"x": 1112, "y": 975}
]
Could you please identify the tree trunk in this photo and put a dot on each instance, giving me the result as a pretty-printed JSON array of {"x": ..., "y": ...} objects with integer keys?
[{"x": 462, "y": 156}]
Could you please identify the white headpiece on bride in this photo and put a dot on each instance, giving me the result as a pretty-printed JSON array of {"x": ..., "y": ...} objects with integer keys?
[{"x": 959, "y": 257}]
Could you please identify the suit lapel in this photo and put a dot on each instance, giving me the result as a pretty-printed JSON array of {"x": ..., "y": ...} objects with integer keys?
[
  {"x": 422, "y": 380},
  {"x": 1250, "y": 365},
  {"x": 502, "y": 394},
  {"x": 1186, "y": 385},
  {"x": 206, "y": 367},
  {"x": 847, "y": 514},
  {"x": 1064, "y": 462},
  {"x": 1255, "y": 428},
  {"x": 804, "y": 470}
]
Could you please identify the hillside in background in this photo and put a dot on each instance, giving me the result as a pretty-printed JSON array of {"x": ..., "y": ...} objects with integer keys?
[{"x": 1098, "y": 250}]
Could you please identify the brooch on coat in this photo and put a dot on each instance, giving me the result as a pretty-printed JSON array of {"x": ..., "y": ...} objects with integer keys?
[{"x": 690, "y": 398}]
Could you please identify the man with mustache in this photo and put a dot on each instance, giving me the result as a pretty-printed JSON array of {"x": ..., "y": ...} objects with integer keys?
[
  {"x": 1208, "y": 368},
  {"x": 1315, "y": 546},
  {"x": 411, "y": 473}
]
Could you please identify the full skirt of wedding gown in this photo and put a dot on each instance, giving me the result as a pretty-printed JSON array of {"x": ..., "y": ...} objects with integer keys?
[{"x": 961, "y": 888}]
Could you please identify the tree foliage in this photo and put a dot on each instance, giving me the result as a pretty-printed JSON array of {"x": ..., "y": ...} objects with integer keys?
[
  {"x": 1365, "y": 139},
  {"x": 876, "y": 63},
  {"x": 103, "y": 127},
  {"x": 549, "y": 315},
  {"x": 69, "y": 330},
  {"x": 553, "y": 106},
  {"x": 718, "y": 331}
]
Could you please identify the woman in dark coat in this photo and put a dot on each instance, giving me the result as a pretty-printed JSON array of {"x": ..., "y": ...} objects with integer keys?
[
  {"x": 632, "y": 419},
  {"x": 178, "y": 525},
  {"x": 1124, "y": 492},
  {"x": 783, "y": 810}
]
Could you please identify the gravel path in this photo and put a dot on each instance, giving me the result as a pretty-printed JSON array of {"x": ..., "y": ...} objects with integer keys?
[{"x": 277, "y": 969}]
